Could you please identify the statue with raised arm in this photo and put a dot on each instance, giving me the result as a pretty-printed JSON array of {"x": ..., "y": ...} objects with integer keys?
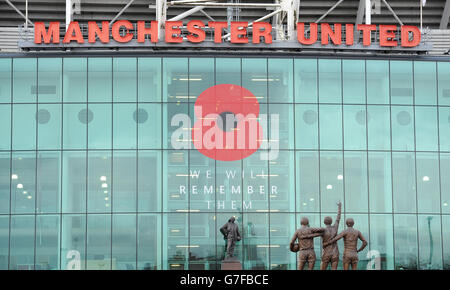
[
  {"x": 351, "y": 236},
  {"x": 330, "y": 253},
  {"x": 305, "y": 236},
  {"x": 230, "y": 232}
]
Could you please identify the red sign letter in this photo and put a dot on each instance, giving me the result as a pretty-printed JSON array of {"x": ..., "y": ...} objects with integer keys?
[
  {"x": 406, "y": 29},
  {"x": 366, "y": 29},
  {"x": 236, "y": 32},
  {"x": 266, "y": 32},
  {"x": 116, "y": 31},
  {"x": 387, "y": 35},
  {"x": 40, "y": 32},
  {"x": 336, "y": 36},
  {"x": 94, "y": 30},
  {"x": 195, "y": 28},
  {"x": 73, "y": 28},
  {"x": 312, "y": 33},
  {"x": 217, "y": 26},
  {"x": 143, "y": 31},
  {"x": 170, "y": 31},
  {"x": 349, "y": 30}
]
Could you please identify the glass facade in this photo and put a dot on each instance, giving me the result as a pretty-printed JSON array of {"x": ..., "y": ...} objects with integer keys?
[{"x": 90, "y": 179}]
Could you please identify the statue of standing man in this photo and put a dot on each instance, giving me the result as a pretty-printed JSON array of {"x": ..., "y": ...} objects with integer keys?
[
  {"x": 230, "y": 232},
  {"x": 305, "y": 236},
  {"x": 330, "y": 252}
]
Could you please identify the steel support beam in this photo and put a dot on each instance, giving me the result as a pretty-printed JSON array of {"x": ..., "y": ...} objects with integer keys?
[
  {"x": 258, "y": 20},
  {"x": 69, "y": 12},
  {"x": 161, "y": 14},
  {"x": 212, "y": 4},
  {"x": 392, "y": 11},
  {"x": 369, "y": 12},
  {"x": 187, "y": 13},
  {"x": 329, "y": 11},
  {"x": 445, "y": 15},
  {"x": 18, "y": 11},
  {"x": 121, "y": 11}
]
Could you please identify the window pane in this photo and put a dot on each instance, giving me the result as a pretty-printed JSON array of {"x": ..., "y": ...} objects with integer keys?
[
  {"x": 402, "y": 128},
  {"x": 283, "y": 132},
  {"x": 256, "y": 183},
  {"x": 382, "y": 239},
  {"x": 5, "y": 177},
  {"x": 202, "y": 231},
  {"x": 428, "y": 193},
  {"x": 201, "y": 76},
  {"x": 355, "y": 176},
  {"x": 98, "y": 250},
  {"x": 425, "y": 83},
  {"x": 229, "y": 183},
  {"x": 330, "y": 126},
  {"x": 430, "y": 248},
  {"x": 306, "y": 127},
  {"x": 49, "y": 80},
  {"x": 24, "y": 127},
  {"x": 426, "y": 129},
  {"x": 100, "y": 79},
  {"x": 125, "y": 126},
  {"x": 445, "y": 182},
  {"x": 22, "y": 242},
  {"x": 175, "y": 80},
  {"x": 355, "y": 127},
  {"x": 73, "y": 239},
  {"x": 4, "y": 242},
  {"x": 49, "y": 126},
  {"x": 124, "y": 81},
  {"x": 47, "y": 242},
  {"x": 149, "y": 79},
  {"x": 446, "y": 240},
  {"x": 100, "y": 127},
  {"x": 254, "y": 77},
  {"x": 282, "y": 182},
  {"x": 124, "y": 242},
  {"x": 175, "y": 241},
  {"x": 307, "y": 171},
  {"x": 380, "y": 182},
  {"x": 354, "y": 82},
  {"x": 330, "y": 84},
  {"x": 401, "y": 82},
  {"x": 405, "y": 239},
  {"x": 175, "y": 180},
  {"x": 74, "y": 182},
  {"x": 281, "y": 83},
  {"x": 444, "y": 128},
  {"x": 379, "y": 127},
  {"x": 5, "y": 128},
  {"x": 228, "y": 71},
  {"x": 48, "y": 182},
  {"x": 149, "y": 181},
  {"x": 305, "y": 80},
  {"x": 149, "y": 242},
  {"x": 331, "y": 180},
  {"x": 5, "y": 80},
  {"x": 24, "y": 80},
  {"x": 377, "y": 81},
  {"x": 256, "y": 242},
  {"x": 202, "y": 182},
  {"x": 124, "y": 181},
  {"x": 76, "y": 118},
  {"x": 444, "y": 83},
  {"x": 75, "y": 79},
  {"x": 23, "y": 188},
  {"x": 404, "y": 181},
  {"x": 99, "y": 181},
  {"x": 148, "y": 117},
  {"x": 281, "y": 228},
  {"x": 181, "y": 137}
]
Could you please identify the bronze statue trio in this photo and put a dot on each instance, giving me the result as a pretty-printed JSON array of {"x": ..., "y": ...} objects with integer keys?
[{"x": 330, "y": 252}]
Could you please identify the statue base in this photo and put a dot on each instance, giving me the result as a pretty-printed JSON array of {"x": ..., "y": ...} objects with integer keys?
[{"x": 231, "y": 264}]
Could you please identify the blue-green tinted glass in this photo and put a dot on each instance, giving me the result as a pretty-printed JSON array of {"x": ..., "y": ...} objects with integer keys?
[
  {"x": 430, "y": 247},
  {"x": 281, "y": 126},
  {"x": 75, "y": 120},
  {"x": 175, "y": 180},
  {"x": 405, "y": 242},
  {"x": 124, "y": 79},
  {"x": 281, "y": 82},
  {"x": 307, "y": 187},
  {"x": 254, "y": 78},
  {"x": 445, "y": 182},
  {"x": 124, "y": 181},
  {"x": 404, "y": 182},
  {"x": 331, "y": 180},
  {"x": 380, "y": 182},
  {"x": 426, "y": 129},
  {"x": 401, "y": 82},
  {"x": 73, "y": 191},
  {"x": 306, "y": 127},
  {"x": 99, "y": 126},
  {"x": 149, "y": 79},
  {"x": 47, "y": 242},
  {"x": 256, "y": 191},
  {"x": 354, "y": 127},
  {"x": 75, "y": 79},
  {"x": 330, "y": 83},
  {"x": 5, "y": 178},
  {"x": 176, "y": 123},
  {"x": 149, "y": 181},
  {"x": 24, "y": 127},
  {"x": 175, "y": 80},
  {"x": 355, "y": 178},
  {"x": 229, "y": 185},
  {"x": 124, "y": 241},
  {"x": 22, "y": 241},
  {"x": 23, "y": 182},
  {"x": 382, "y": 240},
  {"x": 49, "y": 80},
  {"x": 228, "y": 71},
  {"x": 402, "y": 128},
  {"x": 48, "y": 119},
  {"x": 4, "y": 242},
  {"x": 281, "y": 228},
  {"x": 202, "y": 230},
  {"x": 148, "y": 118},
  {"x": 100, "y": 79},
  {"x": 149, "y": 242},
  {"x": 377, "y": 81},
  {"x": 444, "y": 83},
  {"x": 425, "y": 83},
  {"x": 446, "y": 240},
  {"x": 176, "y": 241},
  {"x": 201, "y": 183},
  {"x": 73, "y": 242},
  {"x": 354, "y": 81},
  {"x": 444, "y": 128},
  {"x": 24, "y": 80},
  {"x": 5, "y": 80},
  {"x": 98, "y": 251},
  {"x": 330, "y": 120},
  {"x": 282, "y": 182},
  {"x": 428, "y": 193},
  {"x": 48, "y": 182},
  {"x": 256, "y": 242},
  {"x": 100, "y": 190},
  {"x": 379, "y": 127},
  {"x": 201, "y": 76},
  {"x": 305, "y": 80},
  {"x": 125, "y": 126},
  {"x": 5, "y": 128}
]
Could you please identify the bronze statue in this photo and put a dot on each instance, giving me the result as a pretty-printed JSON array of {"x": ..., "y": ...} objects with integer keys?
[
  {"x": 351, "y": 237},
  {"x": 230, "y": 232},
  {"x": 330, "y": 253},
  {"x": 305, "y": 246}
]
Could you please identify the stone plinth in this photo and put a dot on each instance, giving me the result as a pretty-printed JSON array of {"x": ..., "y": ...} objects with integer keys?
[{"x": 231, "y": 264}]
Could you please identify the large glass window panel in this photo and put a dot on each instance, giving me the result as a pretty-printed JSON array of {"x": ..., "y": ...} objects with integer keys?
[
  {"x": 149, "y": 242},
  {"x": 100, "y": 79},
  {"x": 355, "y": 127},
  {"x": 430, "y": 247},
  {"x": 425, "y": 91},
  {"x": 48, "y": 182},
  {"x": 176, "y": 180},
  {"x": 426, "y": 129},
  {"x": 100, "y": 128},
  {"x": 281, "y": 80},
  {"x": 73, "y": 182},
  {"x": 49, "y": 80},
  {"x": 24, "y": 127},
  {"x": 282, "y": 182},
  {"x": 331, "y": 180},
  {"x": 201, "y": 76},
  {"x": 382, "y": 240},
  {"x": 229, "y": 186},
  {"x": 73, "y": 242},
  {"x": 149, "y": 79},
  {"x": 377, "y": 81},
  {"x": 305, "y": 80},
  {"x": 330, "y": 123},
  {"x": 354, "y": 81},
  {"x": 98, "y": 251},
  {"x": 124, "y": 79},
  {"x": 125, "y": 127},
  {"x": 5, "y": 178},
  {"x": 428, "y": 193},
  {"x": 402, "y": 128},
  {"x": 124, "y": 181},
  {"x": 355, "y": 178},
  {"x": 24, "y": 80},
  {"x": 5, "y": 128},
  {"x": 281, "y": 230},
  {"x": 404, "y": 182},
  {"x": 401, "y": 82},
  {"x": 254, "y": 78},
  {"x": 445, "y": 182},
  {"x": 75, "y": 120},
  {"x": 48, "y": 119},
  {"x": 330, "y": 83},
  {"x": 202, "y": 242},
  {"x": 307, "y": 188},
  {"x": 446, "y": 240},
  {"x": 4, "y": 242},
  {"x": 444, "y": 128},
  {"x": 256, "y": 242},
  {"x": 175, "y": 80},
  {"x": 443, "y": 83},
  {"x": 5, "y": 80},
  {"x": 75, "y": 79},
  {"x": 228, "y": 71},
  {"x": 256, "y": 189},
  {"x": 283, "y": 132},
  {"x": 202, "y": 186},
  {"x": 22, "y": 242},
  {"x": 175, "y": 126},
  {"x": 306, "y": 127},
  {"x": 148, "y": 118},
  {"x": 379, "y": 127},
  {"x": 99, "y": 181},
  {"x": 175, "y": 241},
  {"x": 380, "y": 182},
  {"x": 23, "y": 182},
  {"x": 149, "y": 181},
  {"x": 124, "y": 242},
  {"x": 47, "y": 242},
  {"x": 405, "y": 242}
]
